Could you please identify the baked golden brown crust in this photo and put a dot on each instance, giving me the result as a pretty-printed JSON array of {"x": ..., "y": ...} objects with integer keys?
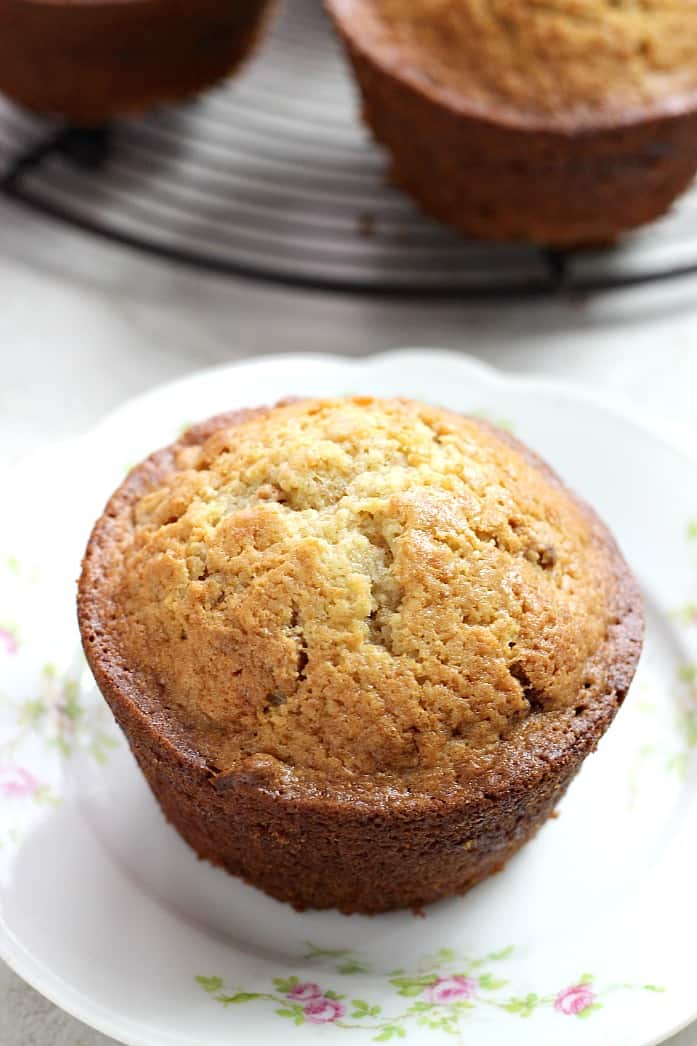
[
  {"x": 90, "y": 60},
  {"x": 357, "y": 631},
  {"x": 562, "y": 124},
  {"x": 538, "y": 65}
]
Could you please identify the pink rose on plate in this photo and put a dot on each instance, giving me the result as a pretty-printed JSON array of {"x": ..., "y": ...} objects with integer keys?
[
  {"x": 574, "y": 1000},
  {"x": 8, "y": 641},
  {"x": 323, "y": 1010},
  {"x": 305, "y": 991},
  {"x": 15, "y": 782},
  {"x": 451, "y": 989}
]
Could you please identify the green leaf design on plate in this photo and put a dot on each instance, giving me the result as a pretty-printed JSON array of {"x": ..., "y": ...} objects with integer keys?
[
  {"x": 523, "y": 1006},
  {"x": 350, "y": 966},
  {"x": 71, "y": 700},
  {"x": 362, "y": 1008},
  {"x": 687, "y": 614},
  {"x": 285, "y": 984},
  {"x": 44, "y": 796},
  {"x": 31, "y": 711},
  {"x": 409, "y": 986},
  {"x": 210, "y": 984},
  {"x": 293, "y": 1011},
  {"x": 440, "y": 1011},
  {"x": 678, "y": 764},
  {"x": 688, "y": 723},
  {"x": 391, "y": 1031},
  {"x": 688, "y": 673},
  {"x": 313, "y": 952},
  {"x": 491, "y": 983},
  {"x": 420, "y": 1007}
]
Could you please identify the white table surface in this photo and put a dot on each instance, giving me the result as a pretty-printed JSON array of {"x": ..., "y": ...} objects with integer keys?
[{"x": 84, "y": 326}]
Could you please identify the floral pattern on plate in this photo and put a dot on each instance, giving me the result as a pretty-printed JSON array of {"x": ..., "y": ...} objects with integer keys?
[
  {"x": 39, "y": 729},
  {"x": 447, "y": 990}
]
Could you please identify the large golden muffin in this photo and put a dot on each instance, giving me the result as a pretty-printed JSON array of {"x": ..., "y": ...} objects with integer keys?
[
  {"x": 359, "y": 647},
  {"x": 90, "y": 60},
  {"x": 561, "y": 123}
]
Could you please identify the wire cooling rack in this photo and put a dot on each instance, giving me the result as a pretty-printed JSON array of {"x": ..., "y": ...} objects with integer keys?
[{"x": 272, "y": 177}]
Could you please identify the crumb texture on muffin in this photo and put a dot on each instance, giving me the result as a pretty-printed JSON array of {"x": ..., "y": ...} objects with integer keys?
[
  {"x": 568, "y": 59},
  {"x": 356, "y": 589}
]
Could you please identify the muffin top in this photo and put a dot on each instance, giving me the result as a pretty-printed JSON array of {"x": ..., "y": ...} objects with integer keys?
[
  {"x": 356, "y": 594},
  {"x": 568, "y": 63}
]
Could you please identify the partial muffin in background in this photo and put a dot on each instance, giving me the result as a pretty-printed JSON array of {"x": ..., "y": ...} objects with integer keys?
[
  {"x": 359, "y": 647},
  {"x": 562, "y": 124},
  {"x": 89, "y": 60}
]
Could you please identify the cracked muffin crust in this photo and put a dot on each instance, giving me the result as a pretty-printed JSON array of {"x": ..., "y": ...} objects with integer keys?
[
  {"x": 356, "y": 630},
  {"x": 562, "y": 123}
]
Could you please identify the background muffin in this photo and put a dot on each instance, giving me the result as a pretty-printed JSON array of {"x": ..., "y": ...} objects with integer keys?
[
  {"x": 562, "y": 124},
  {"x": 356, "y": 635},
  {"x": 90, "y": 60}
]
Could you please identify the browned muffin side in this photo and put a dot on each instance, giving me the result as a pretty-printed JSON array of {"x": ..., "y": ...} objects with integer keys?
[
  {"x": 90, "y": 60},
  {"x": 562, "y": 124},
  {"x": 356, "y": 633}
]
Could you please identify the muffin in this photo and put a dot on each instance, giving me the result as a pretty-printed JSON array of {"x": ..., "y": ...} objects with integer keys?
[
  {"x": 562, "y": 124},
  {"x": 359, "y": 647},
  {"x": 90, "y": 60}
]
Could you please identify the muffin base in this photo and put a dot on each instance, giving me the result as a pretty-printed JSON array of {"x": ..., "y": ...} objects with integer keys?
[
  {"x": 327, "y": 854},
  {"x": 493, "y": 180},
  {"x": 358, "y": 852},
  {"x": 90, "y": 61}
]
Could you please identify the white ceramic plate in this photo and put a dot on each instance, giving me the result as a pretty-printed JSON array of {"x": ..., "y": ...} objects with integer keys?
[{"x": 587, "y": 936}]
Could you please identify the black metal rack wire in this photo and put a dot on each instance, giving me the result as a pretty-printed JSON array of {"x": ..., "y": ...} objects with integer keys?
[{"x": 273, "y": 178}]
